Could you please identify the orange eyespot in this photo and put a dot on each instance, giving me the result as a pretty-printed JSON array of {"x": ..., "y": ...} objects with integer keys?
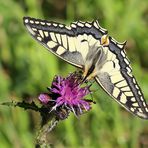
[{"x": 104, "y": 40}]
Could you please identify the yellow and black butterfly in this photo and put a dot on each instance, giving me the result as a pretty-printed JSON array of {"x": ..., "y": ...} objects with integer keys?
[{"x": 87, "y": 45}]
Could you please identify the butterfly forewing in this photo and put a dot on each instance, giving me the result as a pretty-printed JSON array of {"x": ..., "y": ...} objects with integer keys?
[{"x": 71, "y": 43}]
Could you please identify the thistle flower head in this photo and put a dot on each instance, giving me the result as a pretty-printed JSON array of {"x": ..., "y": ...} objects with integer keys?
[{"x": 65, "y": 95}]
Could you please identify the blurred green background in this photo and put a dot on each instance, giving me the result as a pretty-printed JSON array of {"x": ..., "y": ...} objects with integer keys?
[{"x": 26, "y": 68}]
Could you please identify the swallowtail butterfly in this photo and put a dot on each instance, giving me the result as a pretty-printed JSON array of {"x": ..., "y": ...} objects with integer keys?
[{"x": 87, "y": 45}]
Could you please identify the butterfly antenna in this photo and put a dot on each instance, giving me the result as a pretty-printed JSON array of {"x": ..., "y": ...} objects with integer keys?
[
  {"x": 83, "y": 80},
  {"x": 91, "y": 95}
]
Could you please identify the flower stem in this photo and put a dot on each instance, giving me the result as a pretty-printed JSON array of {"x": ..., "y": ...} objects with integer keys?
[{"x": 41, "y": 139}]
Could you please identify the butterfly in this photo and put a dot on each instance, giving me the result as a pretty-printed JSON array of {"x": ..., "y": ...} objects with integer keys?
[{"x": 87, "y": 45}]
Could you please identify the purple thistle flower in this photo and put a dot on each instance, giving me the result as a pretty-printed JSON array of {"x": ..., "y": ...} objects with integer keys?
[
  {"x": 66, "y": 94},
  {"x": 44, "y": 98}
]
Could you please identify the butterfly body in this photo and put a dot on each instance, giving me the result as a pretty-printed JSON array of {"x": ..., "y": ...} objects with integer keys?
[{"x": 86, "y": 45}]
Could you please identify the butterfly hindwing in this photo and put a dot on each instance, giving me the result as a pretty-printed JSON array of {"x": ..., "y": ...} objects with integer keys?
[{"x": 117, "y": 80}]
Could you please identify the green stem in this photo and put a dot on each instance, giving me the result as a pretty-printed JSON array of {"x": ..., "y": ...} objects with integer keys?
[{"x": 41, "y": 140}]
